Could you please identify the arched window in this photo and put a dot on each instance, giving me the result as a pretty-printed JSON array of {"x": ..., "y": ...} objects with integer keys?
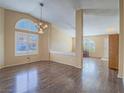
[
  {"x": 26, "y": 24},
  {"x": 26, "y": 38},
  {"x": 89, "y": 45}
]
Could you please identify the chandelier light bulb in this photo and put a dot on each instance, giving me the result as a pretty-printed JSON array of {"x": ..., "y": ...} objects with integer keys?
[
  {"x": 41, "y": 31},
  {"x": 40, "y": 23},
  {"x": 45, "y": 26}
]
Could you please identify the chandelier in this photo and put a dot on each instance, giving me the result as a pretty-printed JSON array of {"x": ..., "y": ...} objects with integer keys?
[{"x": 42, "y": 26}]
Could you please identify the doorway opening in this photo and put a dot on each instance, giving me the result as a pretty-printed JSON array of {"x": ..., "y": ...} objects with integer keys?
[
  {"x": 100, "y": 41},
  {"x": 95, "y": 51}
]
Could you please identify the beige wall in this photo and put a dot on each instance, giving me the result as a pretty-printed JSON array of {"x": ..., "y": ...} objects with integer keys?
[
  {"x": 64, "y": 58},
  {"x": 62, "y": 43},
  {"x": 61, "y": 47},
  {"x": 60, "y": 40},
  {"x": 11, "y": 18},
  {"x": 100, "y": 50},
  {"x": 1, "y": 37}
]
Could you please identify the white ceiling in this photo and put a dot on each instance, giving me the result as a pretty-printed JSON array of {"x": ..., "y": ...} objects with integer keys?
[{"x": 100, "y": 15}]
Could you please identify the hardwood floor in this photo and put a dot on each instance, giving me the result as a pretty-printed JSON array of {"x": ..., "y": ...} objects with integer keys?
[{"x": 50, "y": 77}]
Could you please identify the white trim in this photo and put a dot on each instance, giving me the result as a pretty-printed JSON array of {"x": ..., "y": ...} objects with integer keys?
[
  {"x": 123, "y": 80},
  {"x": 63, "y": 53},
  {"x": 66, "y": 64},
  {"x": 16, "y": 64},
  {"x": 36, "y": 52},
  {"x": 2, "y": 66},
  {"x": 20, "y": 64},
  {"x": 120, "y": 76}
]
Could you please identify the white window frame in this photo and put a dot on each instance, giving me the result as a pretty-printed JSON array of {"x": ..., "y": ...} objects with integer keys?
[{"x": 25, "y": 53}]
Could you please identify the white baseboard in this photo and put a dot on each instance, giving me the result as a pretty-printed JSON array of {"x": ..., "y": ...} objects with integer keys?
[
  {"x": 120, "y": 76},
  {"x": 104, "y": 59},
  {"x": 6, "y": 66},
  {"x": 1, "y": 66},
  {"x": 67, "y": 64}
]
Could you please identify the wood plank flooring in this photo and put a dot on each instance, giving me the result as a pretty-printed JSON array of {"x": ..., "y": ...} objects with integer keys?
[{"x": 50, "y": 77}]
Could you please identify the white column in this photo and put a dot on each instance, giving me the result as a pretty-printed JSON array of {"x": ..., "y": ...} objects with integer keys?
[{"x": 79, "y": 37}]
